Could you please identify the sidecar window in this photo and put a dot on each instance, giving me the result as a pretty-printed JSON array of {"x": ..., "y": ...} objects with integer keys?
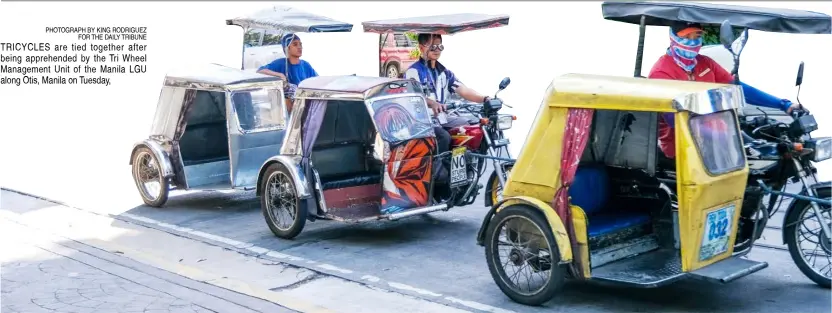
[
  {"x": 718, "y": 141},
  {"x": 253, "y": 37},
  {"x": 259, "y": 109},
  {"x": 271, "y": 38}
]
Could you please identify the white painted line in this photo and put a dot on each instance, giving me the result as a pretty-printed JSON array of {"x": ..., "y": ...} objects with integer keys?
[
  {"x": 371, "y": 278},
  {"x": 413, "y": 289},
  {"x": 334, "y": 268},
  {"x": 478, "y": 306}
]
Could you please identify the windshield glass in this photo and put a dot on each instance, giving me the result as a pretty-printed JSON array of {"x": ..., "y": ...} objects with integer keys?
[
  {"x": 402, "y": 118},
  {"x": 718, "y": 141},
  {"x": 258, "y": 109}
]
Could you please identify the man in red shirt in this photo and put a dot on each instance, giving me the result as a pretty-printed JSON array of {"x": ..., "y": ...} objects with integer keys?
[{"x": 683, "y": 62}]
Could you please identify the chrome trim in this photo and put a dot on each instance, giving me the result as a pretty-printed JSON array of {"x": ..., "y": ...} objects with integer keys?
[
  {"x": 189, "y": 84},
  {"x": 728, "y": 97},
  {"x": 497, "y": 168},
  {"x": 319, "y": 189},
  {"x": 293, "y": 164},
  {"x": 159, "y": 152},
  {"x": 501, "y": 142},
  {"x": 326, "y": 95},
  {"x": 419, "y": 211}
]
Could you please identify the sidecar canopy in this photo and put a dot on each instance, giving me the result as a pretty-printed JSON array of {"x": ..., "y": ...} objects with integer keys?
[
  {"x": 762, "y": 19},
  {"x": 282, "y": 19},
  {"x": 448, "y": 24}
]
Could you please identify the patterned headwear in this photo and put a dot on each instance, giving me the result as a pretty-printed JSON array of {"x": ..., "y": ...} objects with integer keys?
[
  {"x": 287, "y": 40},
  {"x": 684, "y": 51}
]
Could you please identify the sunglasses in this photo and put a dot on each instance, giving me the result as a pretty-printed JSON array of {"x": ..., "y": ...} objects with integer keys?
[{"x": 438, "y": 47}]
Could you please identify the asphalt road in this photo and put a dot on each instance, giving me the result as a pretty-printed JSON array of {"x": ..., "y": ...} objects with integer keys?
[{"x": 438, "y": 254}]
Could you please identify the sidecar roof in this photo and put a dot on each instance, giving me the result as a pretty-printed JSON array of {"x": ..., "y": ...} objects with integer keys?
[
  {"x": 215, "y": 77},
  {"x": 640, "y": 94},
  {"x": 757, "y": 18},
  {"x": 447, "y": 24},
  {"x": 351, "y": 87},
  {"x": 283, "y": 18}
]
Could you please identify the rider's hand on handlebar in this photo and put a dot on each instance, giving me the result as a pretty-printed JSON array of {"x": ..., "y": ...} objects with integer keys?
[
  {"x": 793, "y": 107},
  {"x": 437, "y": 107}
]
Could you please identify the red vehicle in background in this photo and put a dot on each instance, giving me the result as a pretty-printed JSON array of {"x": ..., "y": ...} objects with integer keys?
[{"x": 398, "y": 51}]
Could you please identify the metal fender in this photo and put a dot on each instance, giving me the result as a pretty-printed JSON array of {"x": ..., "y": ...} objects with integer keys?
[
  {"x": 794, "y": 205},
  {"x": 159, "y": 152},
  {"x": 556, "y": 225},
  {"x": 293, "y": 164}
]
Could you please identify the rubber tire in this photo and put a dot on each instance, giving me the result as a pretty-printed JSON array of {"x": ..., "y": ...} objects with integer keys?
[
  {"x": 791, "y": 239},
  {"x": 387, "y": 70},
  {"x": 558, "y": 276},
  {"x": 300, "y": 213},
  {"x": 165, "y": 188},
  {"x": 492, "y": 179}
]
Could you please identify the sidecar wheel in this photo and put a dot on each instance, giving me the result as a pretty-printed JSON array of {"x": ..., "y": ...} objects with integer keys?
[
  {"x": 802, "y": 239},
  {"x": 531, "y": 248},
  {"x": 147, "y": 174},
  {"x": 280, "y": 203}
]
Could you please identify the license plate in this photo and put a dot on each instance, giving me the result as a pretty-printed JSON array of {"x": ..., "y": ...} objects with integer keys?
[
  {"x": 718, "y": 229},
  {"x": 459, "y": 173}
]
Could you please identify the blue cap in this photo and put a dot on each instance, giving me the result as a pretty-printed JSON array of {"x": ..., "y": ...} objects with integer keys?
[{"x": 287, "y": 39}]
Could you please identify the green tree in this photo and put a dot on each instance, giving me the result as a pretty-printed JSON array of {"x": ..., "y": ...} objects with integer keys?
[{"x": 415, "y": 53}]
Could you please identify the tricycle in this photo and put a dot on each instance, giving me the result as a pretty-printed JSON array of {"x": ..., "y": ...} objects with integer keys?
[
  {"x": 778, "y": 150},
  {"x": 358, "y": 149},
  {"x": 476, "y": 129},
  {"x": 215, "y": 126},
  {"x": 587, "y": 198}
]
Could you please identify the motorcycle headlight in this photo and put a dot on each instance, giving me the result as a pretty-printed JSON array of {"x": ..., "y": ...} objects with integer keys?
[
  {"x": 822, "y": 148},
  {"x": 504, "y": 121}
]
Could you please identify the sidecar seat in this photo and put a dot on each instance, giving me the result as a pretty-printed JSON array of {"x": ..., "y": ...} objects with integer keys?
[
  {"x": 342, "y": 152},
  {"x": 591, "y": 191}
]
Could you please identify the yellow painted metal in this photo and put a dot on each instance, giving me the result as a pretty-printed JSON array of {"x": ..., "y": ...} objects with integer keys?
[
  {"x": 556, "y": 225},
  {"x": 581, "y": 257},
  {"x": 620, "y": 93},
  {"x": 699, "y": 192}
]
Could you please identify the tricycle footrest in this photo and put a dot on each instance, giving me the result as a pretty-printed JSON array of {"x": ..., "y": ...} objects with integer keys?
[
  {"x": 728, "y": 270},
  {"x": 647, "y": 270}
]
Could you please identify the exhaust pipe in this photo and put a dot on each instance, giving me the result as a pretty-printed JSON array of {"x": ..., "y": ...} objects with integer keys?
[{"x": 427, "y": 209}]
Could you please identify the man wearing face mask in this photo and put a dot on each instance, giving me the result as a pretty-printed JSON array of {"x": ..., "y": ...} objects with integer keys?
[
  {"x": 683, "y": 62},
  {"x": 291, "y": 68}
]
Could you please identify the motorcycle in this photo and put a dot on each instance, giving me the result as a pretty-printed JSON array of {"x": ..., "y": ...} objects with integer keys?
[
  {"x": 482, "y": 133},
  {"x": 779, "y": 153},
  {"x": 477, "y": 132}
]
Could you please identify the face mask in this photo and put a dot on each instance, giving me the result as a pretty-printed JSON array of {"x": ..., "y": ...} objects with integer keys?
[{"x": 684, "y": 51}]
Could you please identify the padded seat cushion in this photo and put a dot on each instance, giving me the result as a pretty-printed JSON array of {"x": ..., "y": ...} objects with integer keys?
[
  {"x": 351, "y": 181},
  {"x": 590, "y": 190},
  {"x": 609, "y": 222}
]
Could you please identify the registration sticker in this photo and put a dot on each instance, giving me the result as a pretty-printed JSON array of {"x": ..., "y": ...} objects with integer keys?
[
  {"x": 459, "y": 173},
  {"x": 718, "y": 229}
]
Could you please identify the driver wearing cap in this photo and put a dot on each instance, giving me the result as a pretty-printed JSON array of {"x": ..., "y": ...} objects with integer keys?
[{"x": 683, "y": 62}]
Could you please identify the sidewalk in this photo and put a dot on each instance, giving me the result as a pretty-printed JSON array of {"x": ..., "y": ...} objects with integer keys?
[
  {"x": 68, "y": 247},
  {"x": 46, "y": 276}
]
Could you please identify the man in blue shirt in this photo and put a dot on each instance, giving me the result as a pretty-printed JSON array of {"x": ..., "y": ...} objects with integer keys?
[
  {"x": 439, "y": 81},
  {"x": 298, "y": 69}
]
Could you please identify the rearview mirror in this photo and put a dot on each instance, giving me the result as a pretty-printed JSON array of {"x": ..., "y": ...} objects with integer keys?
[
  {"x": 726, "y": 35},
  {"x": 504, "y": 83},
  {"x": 799, "y": 80}
]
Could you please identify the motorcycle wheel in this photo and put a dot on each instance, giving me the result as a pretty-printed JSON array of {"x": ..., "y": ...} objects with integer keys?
[
  {"x": 494, "y": 192},
  {"x": 795, "y": 230},
  {"x": 526, "y": 235}
]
